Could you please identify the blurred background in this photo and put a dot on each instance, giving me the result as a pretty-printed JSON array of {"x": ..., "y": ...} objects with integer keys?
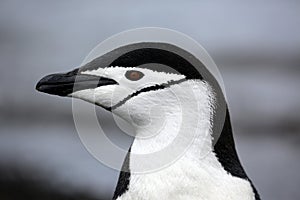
[{"x": 256, "y": 46}]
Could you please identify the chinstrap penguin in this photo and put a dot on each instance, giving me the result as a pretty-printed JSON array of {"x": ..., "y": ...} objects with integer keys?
[{"x": 139, "y": 77}]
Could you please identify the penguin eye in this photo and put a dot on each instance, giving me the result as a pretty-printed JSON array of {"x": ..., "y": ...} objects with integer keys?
[{"x": 134, "y": 75}]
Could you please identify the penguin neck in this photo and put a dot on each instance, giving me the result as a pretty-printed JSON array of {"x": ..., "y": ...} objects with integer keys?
[
  {"x": 178, "y": 126},
  {"x": 165, "y": 120}
]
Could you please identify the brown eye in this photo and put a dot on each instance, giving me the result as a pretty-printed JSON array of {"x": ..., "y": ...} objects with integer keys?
[{"x": 134, "y": 75}]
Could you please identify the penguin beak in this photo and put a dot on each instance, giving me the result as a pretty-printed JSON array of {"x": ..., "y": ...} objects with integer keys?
[{"x": 64, "y": 84}]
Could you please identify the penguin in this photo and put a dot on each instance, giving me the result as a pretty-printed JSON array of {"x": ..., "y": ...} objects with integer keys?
[{"x": 140, "y": 82}]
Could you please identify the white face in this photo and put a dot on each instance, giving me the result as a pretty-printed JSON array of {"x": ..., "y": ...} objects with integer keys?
[{"x": 130, "y": 81}]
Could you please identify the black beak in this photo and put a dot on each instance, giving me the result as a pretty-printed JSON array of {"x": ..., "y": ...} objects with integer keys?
[{"x": 66, "y": 83}]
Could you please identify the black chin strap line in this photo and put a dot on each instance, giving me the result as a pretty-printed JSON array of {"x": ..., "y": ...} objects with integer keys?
[{"x": 147, "y": 89}]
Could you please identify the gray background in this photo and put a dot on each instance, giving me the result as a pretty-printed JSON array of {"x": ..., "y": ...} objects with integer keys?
[{"x": 256, "y": 46}]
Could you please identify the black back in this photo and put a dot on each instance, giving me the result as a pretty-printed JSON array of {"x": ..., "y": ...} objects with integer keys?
[
  {"x": 227, "y": 155},
  {"x": 124, "y": 178}
]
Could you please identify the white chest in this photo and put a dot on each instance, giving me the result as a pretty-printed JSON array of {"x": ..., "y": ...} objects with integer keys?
[{"x": 188, "y": 180}]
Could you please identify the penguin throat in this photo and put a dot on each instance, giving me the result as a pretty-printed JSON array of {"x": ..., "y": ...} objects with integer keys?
[{"x": 178, "y": 126}]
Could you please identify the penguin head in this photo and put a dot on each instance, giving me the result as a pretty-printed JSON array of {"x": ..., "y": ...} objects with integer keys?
[{"x": 135, "y": 75}]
